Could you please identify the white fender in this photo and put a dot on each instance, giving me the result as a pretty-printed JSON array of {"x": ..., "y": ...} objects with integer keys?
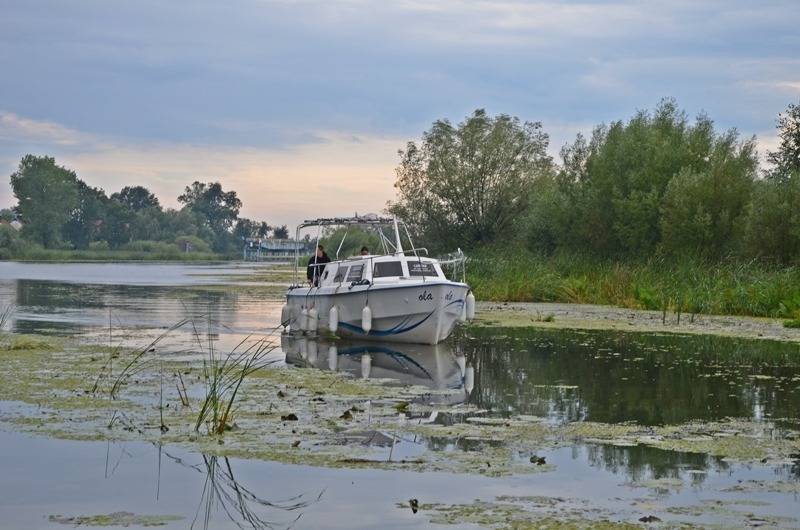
[
  {"x": 366, "y": 319},
  {"x": 313, "y": 319},
  {"x": 304, "y": 319},
  {"x": 463, "y": 316},
  {"x": 333, "y": 319},
  {"x": 470, "y": 304},
  {"x": 286, "y": 315}
]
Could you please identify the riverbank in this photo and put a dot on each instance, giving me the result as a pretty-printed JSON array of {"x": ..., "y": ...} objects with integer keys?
[{"x": 585, "y": 316}]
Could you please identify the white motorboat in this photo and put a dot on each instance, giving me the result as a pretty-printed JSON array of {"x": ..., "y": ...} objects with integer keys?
[{"x": 394, "y": 295}]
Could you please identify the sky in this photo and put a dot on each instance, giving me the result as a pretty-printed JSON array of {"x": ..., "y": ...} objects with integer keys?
[{"x": 301, "y": 106}]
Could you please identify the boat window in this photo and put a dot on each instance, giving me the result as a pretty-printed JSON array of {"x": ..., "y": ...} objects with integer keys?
[
  {"x": 418, "y": 268},
  {"x": 341, "y": 274},
  {"x": 387, "y": 268},
  {"x": 356, "y": 271}
]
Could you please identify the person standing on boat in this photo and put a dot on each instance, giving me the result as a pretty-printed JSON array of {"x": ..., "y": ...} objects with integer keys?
[{"x": 316, "y": 265}]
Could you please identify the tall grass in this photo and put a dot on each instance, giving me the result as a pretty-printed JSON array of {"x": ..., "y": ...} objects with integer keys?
[
  {"x": 224, "y": 374},
  {"x": 729, "y": 288}
]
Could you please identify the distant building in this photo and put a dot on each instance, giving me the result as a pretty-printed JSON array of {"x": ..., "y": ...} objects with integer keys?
[{"x": 274, "y": 250}]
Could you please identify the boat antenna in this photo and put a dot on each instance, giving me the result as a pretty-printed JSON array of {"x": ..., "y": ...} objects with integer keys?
[{"x": 399, "y": 249}]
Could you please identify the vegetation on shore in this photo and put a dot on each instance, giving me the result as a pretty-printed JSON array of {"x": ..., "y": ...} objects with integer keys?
[
  {"x": 656, "y": 212},
  {"x": 729, "y": 288},
  {"x": 154, "y": 252}
]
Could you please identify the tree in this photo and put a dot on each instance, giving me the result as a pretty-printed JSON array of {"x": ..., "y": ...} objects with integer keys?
[
  {"x": 703, "y": 211},
  {"x": 137, "y": 197},
  {"x": 281, "y": 232},
  {"x": 47, "y": 195},
  {"x": 183, "y": 222},
  {"x": 247, "y": 228},
  {"x": 91, "y": 211},
  {"x": 219, "y": 209},
  {"x": 7, "y": 214},
  {"x": 616, "y": 185},
  {"x": 116, "y": 228},
  {"x": 469, "y": 185},
  {"x": 786, "y": 160},
  {"x": 773, "y": 224}
]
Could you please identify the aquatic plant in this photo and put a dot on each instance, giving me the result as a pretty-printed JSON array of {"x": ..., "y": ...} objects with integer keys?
[
  {"x": 224, "y": 374},
  {"x": 135, "y": 364}
]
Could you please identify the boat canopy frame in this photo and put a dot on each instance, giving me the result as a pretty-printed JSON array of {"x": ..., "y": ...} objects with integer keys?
[{"x": 390, "y": 248}]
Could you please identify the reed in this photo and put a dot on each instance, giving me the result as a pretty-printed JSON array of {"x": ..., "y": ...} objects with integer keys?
[
  {"x": 679, "y": 286},
  {"x": 224, "y": 374},
  {"x": 137, "y": 363}
]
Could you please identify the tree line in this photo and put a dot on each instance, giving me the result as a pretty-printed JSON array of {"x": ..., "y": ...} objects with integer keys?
[
  {"x": 57, "y": 210},
  {"x": 655, "y": 185}
]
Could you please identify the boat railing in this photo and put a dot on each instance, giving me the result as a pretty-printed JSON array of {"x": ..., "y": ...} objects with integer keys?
[
  {"x": 457, "y": 262},
  {"x": 415, "y": 251}
]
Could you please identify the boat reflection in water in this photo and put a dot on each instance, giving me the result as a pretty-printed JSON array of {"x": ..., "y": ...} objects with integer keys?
[{"x": 435, "y": 366}]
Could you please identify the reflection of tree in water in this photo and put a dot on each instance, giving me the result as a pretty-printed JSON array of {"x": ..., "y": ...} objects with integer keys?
[
  {"x": 641, "y": 462},
  {"x": 242, "y": 506},
  {"x": 610, "y": 376},
  {"x": 56, "y": 305}
]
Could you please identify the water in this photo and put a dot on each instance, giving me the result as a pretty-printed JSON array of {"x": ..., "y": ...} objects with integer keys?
[
  {"x": 107, "y": 300},
  {"x": 646, "y": 378},
  {"x": 562, "y": 376}
]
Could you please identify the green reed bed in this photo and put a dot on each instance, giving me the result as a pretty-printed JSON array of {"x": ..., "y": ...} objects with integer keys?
[{"x": 682, "y": 286}]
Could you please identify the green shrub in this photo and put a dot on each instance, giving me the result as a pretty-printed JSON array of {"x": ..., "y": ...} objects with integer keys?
[{"x": 192, "y": 244}]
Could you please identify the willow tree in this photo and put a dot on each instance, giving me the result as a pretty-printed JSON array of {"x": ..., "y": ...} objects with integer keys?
[
  {"x": 773, "y": 224},
  {"x": 786, "y": 159},
  {"x": 656, "y": 182},
  {"x": 469, "y": 185}
]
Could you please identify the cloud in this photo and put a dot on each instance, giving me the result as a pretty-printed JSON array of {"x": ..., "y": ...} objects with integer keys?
[
  {"x": 296, "y": 100},
  {"x": 333, "y": 175},
  {"x": 14, "y": 128}
]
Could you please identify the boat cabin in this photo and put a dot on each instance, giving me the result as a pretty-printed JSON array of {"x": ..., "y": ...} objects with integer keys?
[{"x": 380, "y": 269}]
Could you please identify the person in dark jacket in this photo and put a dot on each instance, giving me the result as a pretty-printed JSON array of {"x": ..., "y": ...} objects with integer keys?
[{"x": 316, "y": 266}]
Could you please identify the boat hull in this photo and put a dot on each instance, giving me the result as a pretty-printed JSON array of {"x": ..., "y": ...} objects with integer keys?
[{"x": 419, "y": 312}]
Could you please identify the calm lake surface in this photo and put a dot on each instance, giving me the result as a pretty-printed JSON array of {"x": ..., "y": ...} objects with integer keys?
[{"x": 561, "y": 375}]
